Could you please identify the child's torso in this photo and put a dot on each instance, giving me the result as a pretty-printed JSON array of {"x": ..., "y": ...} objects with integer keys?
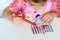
[{"x": 31, "y": 13}]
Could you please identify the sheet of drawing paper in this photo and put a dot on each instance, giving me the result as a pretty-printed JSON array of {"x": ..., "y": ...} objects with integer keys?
[{"x": 10, "y": 31}]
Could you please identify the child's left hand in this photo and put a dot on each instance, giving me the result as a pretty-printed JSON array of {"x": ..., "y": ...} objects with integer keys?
[{"x": 48, "y": 17}]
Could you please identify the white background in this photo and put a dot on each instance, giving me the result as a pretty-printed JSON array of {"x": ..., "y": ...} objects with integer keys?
[
  {"x": 3, "y": 5},
  {"x": 10, "y": 31}
]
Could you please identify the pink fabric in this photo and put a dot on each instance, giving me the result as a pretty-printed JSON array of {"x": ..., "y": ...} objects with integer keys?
[
  {"x": 16, "y": 5},
  {"x": 55, "y": 5},
  {"x": 51, "y": 5}
]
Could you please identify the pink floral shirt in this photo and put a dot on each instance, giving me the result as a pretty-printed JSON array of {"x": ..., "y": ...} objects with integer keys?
[
  {"x": 55, "y": 5},
  {"x": 51, "y": 5}
]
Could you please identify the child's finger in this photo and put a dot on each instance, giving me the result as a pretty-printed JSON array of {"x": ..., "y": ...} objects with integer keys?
[
  {"x": 49, "y": 20},
  {"x": 41, "y": 16},
  {"x": 44, "y": 18},
  {"x": 20, "y": 14}
]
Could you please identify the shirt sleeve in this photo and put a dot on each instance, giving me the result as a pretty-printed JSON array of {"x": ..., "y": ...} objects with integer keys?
[
  {"x": 16, "y": 5},
  {"x": 55, "y": 5}
]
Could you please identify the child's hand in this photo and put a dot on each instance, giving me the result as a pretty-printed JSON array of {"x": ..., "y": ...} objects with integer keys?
[
  {"x": 48, "y": 17},
  {"x": 16, "y": 20}
]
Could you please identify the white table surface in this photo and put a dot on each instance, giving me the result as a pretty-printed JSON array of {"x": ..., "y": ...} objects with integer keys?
[{"x": 10, "y": 31}]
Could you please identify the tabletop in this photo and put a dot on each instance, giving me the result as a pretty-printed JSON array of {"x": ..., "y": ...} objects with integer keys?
[{"x": 10, "y": 31}]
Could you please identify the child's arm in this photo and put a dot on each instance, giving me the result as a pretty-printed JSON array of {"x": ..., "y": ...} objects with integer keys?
[
  {"x": 58, "y": 15},
  {"x": 14, "y": 7},
  {"x": 8, "y": 12}
]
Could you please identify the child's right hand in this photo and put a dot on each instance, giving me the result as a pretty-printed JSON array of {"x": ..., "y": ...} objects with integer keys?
[{"x": 16, "y": 20}]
